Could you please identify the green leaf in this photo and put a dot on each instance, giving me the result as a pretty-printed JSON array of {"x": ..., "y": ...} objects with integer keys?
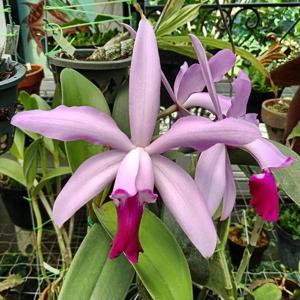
[
  {"x": 77, "y": 91},
  {"x": 178, "y": 18},
  {"x": 215, "y": 43},
  {"x": 58, "y": 172},
  {"x": 120, "y": 111},
  {"x": 288, "y": 178},
  {"x": 267, "y": 291},
  {"x": 171, "y": 7},
  {"x": 13, "y": 170},
  {"x": 162, "y": 266},
  {"x": 31, "y": 162},
  {"x": 295, "y": 132},
  {"x": 17, "y": 148},
  {"x": 33, "y": 101},
  {"x": 92, "y": 275}
]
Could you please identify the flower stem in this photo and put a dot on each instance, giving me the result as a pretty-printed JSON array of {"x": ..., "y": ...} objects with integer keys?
[
  {"x": 259, "y": 223},
  {"x": 39, "y": 234},
  {"x": 168, "y": 111},
  {"x": 223, "y": 230}
]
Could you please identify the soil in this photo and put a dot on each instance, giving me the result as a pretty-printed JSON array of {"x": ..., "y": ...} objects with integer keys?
[
  {"x": 8, "y": 74},
  {"x": 280, "y": 106},
  {"x": 235, "y": 235}
]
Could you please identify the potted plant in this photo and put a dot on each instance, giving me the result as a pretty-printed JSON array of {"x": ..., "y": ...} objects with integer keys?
[
  {"x": 288, "y": 235},
  {"x": 238, "y": 239},
  {"x": 274, "y": 115},
  {"x": 107, "y": 66},
  {"x": 32, "y": 81},
  {"x": 11, "y": 73}
]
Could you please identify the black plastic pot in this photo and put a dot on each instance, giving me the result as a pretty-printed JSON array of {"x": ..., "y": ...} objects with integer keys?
[
  {"x": 8, "y": 100},
  {"x": 236, "y": 253},
  {"x": 17, "y": 207},
  {"x": 170, "y": 64},
  {"x": 107, "y": 75},
  {"x": 288, "y": 248}
]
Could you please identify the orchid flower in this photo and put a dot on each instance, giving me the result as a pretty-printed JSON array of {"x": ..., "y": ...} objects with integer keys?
[
  {"x": 189, "y": 82},
  {"x": 214, "y": 164},
  {"x": 136, "y": 164}
]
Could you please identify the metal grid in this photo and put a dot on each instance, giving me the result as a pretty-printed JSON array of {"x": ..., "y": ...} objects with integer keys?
[{"x": 12, "y": 261}]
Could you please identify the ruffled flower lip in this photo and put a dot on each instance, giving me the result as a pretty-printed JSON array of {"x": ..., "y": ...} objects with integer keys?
[
  {"x": 129, "y": 210},
  {"x": 265, "y": 200}
]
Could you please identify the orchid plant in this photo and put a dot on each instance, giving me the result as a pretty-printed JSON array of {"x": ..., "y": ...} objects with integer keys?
[{"x": 135, "y": 165}]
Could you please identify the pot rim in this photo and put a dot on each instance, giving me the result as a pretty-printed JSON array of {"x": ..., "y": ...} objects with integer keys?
[
  {"x": 266, "y": 102},
  {"x": 286, "y": 233},
  {"x": 88, "y": 65},
  {"x": 38, "y": 70},
  {"x": 14, "y": 80}
]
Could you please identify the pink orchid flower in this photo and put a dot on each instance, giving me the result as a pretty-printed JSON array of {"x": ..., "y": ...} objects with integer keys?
[
  {"x": 136, "y": 164},
  {"x": 189, "y": 82},
  {"x": 214, "y": 164}
]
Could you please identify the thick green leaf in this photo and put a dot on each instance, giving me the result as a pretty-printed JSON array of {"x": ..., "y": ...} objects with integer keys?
[
  {"x": 186, "y": 50},
  {"x": 13, "y": 170},
  {"x": 120, "y": 111},
  {"x": 288, "y": 178},
  {"x": 58, "y": 172},
  {"x": 267, "y": 291},
  {"x": 31, "y": 162},
  {"x": 215, "y": 43},
  {"x": 33, "y": 101},
  {"x": 17, "y": 148},
  {"x": 178, "y": 18},
  {"x": 77, "y": 91},
  {"x": 92, "y": 275},
  {"x": 295, "y": 132},
  {"x": 162, "y": 266}
]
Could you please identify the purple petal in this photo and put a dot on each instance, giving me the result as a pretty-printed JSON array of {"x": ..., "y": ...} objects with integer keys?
[
  {"x": 126, "y": 240},
  {"x": 179, "y": 76},
  {"x": 74, "y": 123},
  {"x": 191, "y": 82},
  {"x": 251, "y": 117},
  {"x": 221, "y": 63},
  {"x": 144, "y": 85},
  {"x": 267, "y": 155},
  {"x": 204, "y": 100},
  {"x": 242, "y": 90},
  {"x": 201, "y": 133},
  {"x": 229, "y": 192},
  {"x": 135, "y": 175},
  {"x": 88, "y": 181},
  {"x": 206, "y": 74},
  {"x": 210, "y": 176},
  {"x": 181, "y": 196},
  {"x": 265, "y": 200}
]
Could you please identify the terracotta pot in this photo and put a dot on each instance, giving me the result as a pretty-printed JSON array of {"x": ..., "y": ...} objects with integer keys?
[
  {"x": 32, "y": 82},
  {"x": 275, "y": 121}
]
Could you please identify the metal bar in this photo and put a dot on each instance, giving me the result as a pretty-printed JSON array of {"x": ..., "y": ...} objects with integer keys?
[{"x": 233, "y": 5}]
